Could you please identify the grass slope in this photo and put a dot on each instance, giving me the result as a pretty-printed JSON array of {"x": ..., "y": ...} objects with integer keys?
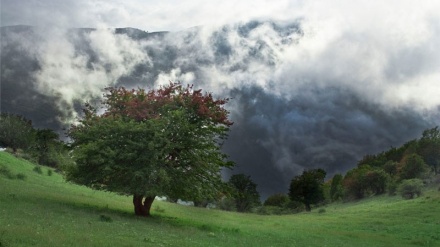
[{"x": 44, "y": 210}]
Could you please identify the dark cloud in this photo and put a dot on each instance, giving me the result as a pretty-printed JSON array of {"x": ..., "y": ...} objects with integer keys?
[{"x": 298, "y": 102}]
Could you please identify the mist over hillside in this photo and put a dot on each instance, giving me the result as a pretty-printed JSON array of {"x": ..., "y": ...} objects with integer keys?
[{"x": 299, "y": 100}]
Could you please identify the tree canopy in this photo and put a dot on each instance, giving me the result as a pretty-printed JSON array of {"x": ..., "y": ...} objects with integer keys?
[
  {"x": 244, "y": 192},
  {"x": 147, "y": 143},
  {"x": 16, "y": 132},
  {"x": 308, "y": 187}
]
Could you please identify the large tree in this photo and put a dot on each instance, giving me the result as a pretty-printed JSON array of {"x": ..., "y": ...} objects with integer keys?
[
  {"x": 308, "y": 187},
  {"x": 147, "y": 143}
]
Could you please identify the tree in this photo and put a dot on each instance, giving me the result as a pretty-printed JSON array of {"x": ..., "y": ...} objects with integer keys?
[
  {"x": 336, "y": 189},
  {"x": 244, "y": 192},
  {"x": 429, "y": 148},
  {"x": 16, "y": 132},
  {"x": 147, "y": 143},
  {"x": 376, "y": 181},
  {"x": 307, "y": 188},
  {"x": 47, "y": 146},
  {"x": 412, "y": 166}
]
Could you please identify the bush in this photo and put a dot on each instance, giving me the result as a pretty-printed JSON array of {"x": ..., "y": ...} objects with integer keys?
[
  {"x": 278, "y": 200},
  {"x": 49, "y": 172},
  {"x": 409, "y": 188},
  {"x": 38, "y": 170},
  {"x": 227, "y": 204}
]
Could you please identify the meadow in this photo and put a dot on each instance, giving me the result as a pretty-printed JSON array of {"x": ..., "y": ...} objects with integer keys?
[{"x": 41, "y": 209}]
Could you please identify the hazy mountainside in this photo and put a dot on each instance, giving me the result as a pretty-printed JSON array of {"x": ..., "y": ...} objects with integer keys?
[{"x": 291, "y": 112}]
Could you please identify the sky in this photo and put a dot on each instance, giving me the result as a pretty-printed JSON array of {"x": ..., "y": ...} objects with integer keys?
[{"x": 313, "y": 83}]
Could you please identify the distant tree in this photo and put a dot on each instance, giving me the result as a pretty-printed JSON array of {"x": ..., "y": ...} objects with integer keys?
[
  {"x": 279, "y": 200},
  {"x": 354, "y": 182},
  {"x": 147, "y": 143},
  {"x": 336, "y": 188},
  {"x": 16, "y": 132},
  {"x": 47, "y": 145},
  {"x": 412, "y": 166},
  {"x": 429, "y": 148},
  {"x": 376, "y": 181},
  {"x": 307, "y": 188},
  {"x": 390, "y": 167},
  {"x": 244, "y": 192}
]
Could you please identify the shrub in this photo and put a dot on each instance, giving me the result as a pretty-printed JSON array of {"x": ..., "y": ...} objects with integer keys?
[
  {"x": 409, "y": 188},
  {"x": 227, "y": 204},
  {"x": 279, "y": 200},
  {"x": 49, "y": 172},
  {"x": 38, "y": 170},
  {"x": 321, "y": 210}
]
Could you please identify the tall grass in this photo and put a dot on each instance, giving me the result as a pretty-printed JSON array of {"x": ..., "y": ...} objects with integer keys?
[{"x": 44, "y": 210}]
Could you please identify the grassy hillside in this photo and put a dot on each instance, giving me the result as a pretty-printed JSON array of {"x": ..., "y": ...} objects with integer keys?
[{"x": 44, "y": 210}]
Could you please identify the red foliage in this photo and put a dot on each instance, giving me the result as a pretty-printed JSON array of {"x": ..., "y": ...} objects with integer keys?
[{"x": 142, "y": 105}]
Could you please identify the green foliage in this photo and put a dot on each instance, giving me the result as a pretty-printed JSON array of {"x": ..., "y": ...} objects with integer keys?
[
  {"x": 244, "y": 192},
  {"x": 429, "y": 148},
  {"x": 392, "y": 187},
  {"x": 412, "y": 166},
  {"x": 279, "y": 200},
  {"x": 410, "y": 188},
  {"x": 364, "y": 180},
  {"x": 16, "y": 132},
  {"x": 160, "y": 142},
  {"x": 38, "y": 169},
  {"x": 390, "y": 167},
  {"x": 336, "y": 188},
  {"x": 308, "y": 187}
]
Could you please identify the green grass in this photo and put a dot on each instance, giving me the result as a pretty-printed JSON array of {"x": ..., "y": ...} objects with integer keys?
[{"x": 44, "y": 210}]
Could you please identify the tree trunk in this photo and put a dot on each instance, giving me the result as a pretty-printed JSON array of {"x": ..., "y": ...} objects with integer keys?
[{"x": 142, "y": 208}]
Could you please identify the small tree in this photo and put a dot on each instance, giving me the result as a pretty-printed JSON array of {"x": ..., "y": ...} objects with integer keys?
[
  {"x": 409, "y": 188},
  {"x": 244, "y": 192},
  {"x": 429, "y": 148},
  {"x": 336, "y": 189},
  {"x": 148, "y": 143},
  {"x": 307, "y": 188}
]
